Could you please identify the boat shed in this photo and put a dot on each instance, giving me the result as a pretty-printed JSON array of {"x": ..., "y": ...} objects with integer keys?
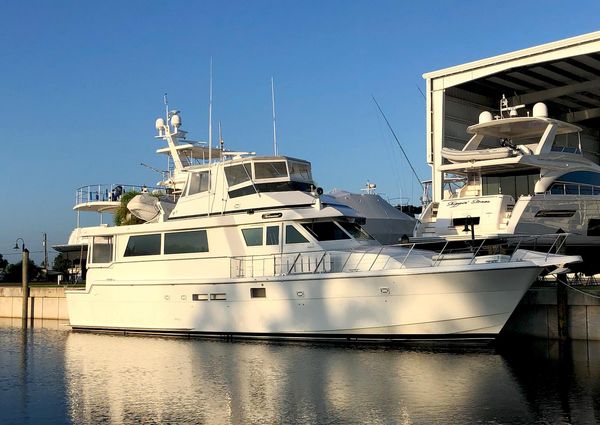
[{"x": 565, "y": 75}]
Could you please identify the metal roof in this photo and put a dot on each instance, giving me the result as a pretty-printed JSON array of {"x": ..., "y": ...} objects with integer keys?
[{"x": 564, "y": 74}]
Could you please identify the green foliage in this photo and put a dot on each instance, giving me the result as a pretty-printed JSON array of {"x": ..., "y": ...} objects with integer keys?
[
  {"x": 14, "y": 272},
  {"x": 122, "y": 216},
  {"x": 3, "y": 263},
  {"x": 61, "y": 263}
]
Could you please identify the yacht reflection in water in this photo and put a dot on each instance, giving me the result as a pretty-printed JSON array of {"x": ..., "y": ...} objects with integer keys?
[{"x": 151, "y": 380}]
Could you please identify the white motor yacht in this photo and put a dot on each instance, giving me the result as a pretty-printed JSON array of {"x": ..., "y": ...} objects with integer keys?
[
  {"x": 252, "y": 248},
  {"x": 523, "y": 175}
]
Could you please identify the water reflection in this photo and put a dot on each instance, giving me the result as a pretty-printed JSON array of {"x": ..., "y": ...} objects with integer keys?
[{"x": 63, "y": 377}]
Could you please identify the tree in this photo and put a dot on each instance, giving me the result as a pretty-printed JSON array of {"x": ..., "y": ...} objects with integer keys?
[
  {"x": 3, "y": 263},
  {"x": 122, "y": 215},
  {"x": 14, "y": 272},
  {"x": 61, "y": 264}
]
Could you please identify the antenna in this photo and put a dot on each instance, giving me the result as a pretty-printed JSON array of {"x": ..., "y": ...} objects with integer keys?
[
  {"x": 166, "y": 108},
  {"x": 220, "y": 138},
  {"x": 274, "y": 126},
  {"x": 397, "y": 141},
  {"x": 210, "y": 99}
]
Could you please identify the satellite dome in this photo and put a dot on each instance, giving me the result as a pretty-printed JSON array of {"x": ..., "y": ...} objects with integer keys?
[
  {"x": 485, "y": 116},
  {"x": 540, "y": 110}
]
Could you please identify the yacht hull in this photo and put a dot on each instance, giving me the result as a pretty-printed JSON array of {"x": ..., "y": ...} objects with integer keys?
[{"x": 392, "y": 304}]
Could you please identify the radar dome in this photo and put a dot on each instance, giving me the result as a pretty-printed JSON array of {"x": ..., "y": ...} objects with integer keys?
[
  {"x": 540, "y": 110},
  {"x": 176, "y": 121},
  {"x": 485, "y": 116},
  {"x": 160, "y": 123}
]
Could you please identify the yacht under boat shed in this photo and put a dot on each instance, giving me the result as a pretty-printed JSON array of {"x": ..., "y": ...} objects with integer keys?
[{"x": 565, "y": 75}]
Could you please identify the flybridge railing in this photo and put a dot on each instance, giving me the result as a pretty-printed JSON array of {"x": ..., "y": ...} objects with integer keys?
[
  {"x": 388, "y": 258},
  {"x": 107, "y": 192}
]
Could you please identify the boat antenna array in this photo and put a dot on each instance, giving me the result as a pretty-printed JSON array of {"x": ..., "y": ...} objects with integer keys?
[{"x": 508, "y": 111}]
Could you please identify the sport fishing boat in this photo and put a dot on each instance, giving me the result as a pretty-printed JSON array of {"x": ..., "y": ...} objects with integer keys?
[
  {"x": 524, "y": 175},
  {"x": 252, "y": 248}
]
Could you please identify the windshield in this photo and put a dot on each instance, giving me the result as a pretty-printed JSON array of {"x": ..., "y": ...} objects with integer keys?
[{"x": 270, "y": 170}]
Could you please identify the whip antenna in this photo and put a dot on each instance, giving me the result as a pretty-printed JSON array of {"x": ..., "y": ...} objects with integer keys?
[{"x": 397, "y": 141}]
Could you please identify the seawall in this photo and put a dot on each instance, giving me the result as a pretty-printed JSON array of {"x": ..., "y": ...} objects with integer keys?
[{"x": 44, "y": 302}]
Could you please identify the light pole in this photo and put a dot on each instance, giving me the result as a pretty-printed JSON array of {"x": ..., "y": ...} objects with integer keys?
[
  {"x": 45, "y": 242},
  {"x": 25, "y": 286}
]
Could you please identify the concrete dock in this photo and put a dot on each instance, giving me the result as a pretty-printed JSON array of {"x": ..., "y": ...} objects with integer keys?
[{"x": 44, "y": 302}]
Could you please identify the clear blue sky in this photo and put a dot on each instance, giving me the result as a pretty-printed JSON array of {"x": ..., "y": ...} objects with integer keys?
[{"x": 82, "y": 82}]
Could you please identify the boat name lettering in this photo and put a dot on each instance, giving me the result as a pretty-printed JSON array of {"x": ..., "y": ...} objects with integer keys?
[{"x": 453, "y": 204}]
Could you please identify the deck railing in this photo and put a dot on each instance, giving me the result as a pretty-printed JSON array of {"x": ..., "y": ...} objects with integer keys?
[
  {"x": 107, "y": 192},
  {"x": 381, "y": 258}
]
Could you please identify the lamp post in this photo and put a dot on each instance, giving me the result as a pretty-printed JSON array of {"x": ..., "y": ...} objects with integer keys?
[{"x": 25, "y": 286}]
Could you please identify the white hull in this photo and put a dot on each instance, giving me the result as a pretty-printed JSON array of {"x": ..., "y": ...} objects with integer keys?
[{"x": 386, "y": 305}]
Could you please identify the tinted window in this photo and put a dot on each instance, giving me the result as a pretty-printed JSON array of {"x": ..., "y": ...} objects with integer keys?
[
  {"x": 198, "y": 183},
  {"x": 270, "y": 170},
  {"x": 143, "y": 245},
  {"x": 586, "y": 177},
  {"x": 237, "y": 174},
  {"x": 557, "y": 189},
  {"x": 184, "y": 242},
  {"x": 572, "y": 189},
  {"x": 300, "y": 171},
  {"x": 325, "y": 231},
  {"x": 102, "y": 249},
  {"x": 253, "y": 237},
  {"x": 258, "y": 292},
  {"x": 355, "y": 230},
  {"x": 593, "y": 227},
  {"x": 292, "y": 235},
  {"x": 273, "y": 235}
]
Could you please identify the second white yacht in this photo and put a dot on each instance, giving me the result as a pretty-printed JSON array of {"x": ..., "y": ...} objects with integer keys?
[{"x": 523, "y": 175}]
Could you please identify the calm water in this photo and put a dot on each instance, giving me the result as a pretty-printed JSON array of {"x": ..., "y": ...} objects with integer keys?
[{"x": 50, "y": 375}]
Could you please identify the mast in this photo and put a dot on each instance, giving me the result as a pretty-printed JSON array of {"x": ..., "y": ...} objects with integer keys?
[
  {"x": 210, "y": 99},
  {"x": 274, "y": 125}
]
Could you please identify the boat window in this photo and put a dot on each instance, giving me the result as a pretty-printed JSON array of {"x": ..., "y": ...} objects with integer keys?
[
  {"x": 198, "y": 183},
  {"x": 586, "y": 190},
  {"x": 325, "y": 231},
  {"x": 593, "y": 228},
  {"x": 585, "y": 177},
  {"x": 300, "y": 171},
  {"x": 555, "y": 213},
  {"x": 258, "y": 292},
  {"x": 571, "y": 189},
  {"x": 102, "y": 249},
  {"x": 186, "y": 242},
  {"x": 272, "y": 235},
  {"x": 292, "y": 235},
  {"x": 557, "y": 189},
  {"x": 596, "y": 190},
  {"x": 281, "y": 186},
  {"x": 237, "y": 174},
  {"x": 270, "y": 170},
  {"x": 355, "y": 230},
  {"x": 253, "y": 237},
  {"x": 143, "y": 245},
  {"x": 513, "y": 185}
]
